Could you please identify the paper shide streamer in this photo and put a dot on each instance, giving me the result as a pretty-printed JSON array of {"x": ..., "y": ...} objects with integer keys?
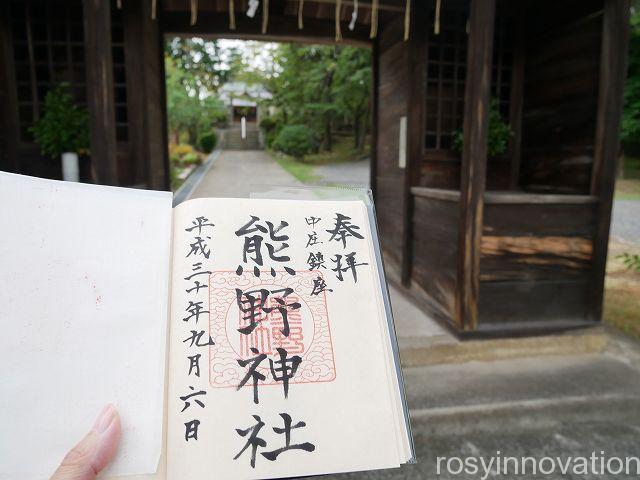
[
  {"x": 354, "y": 16},
  {"x": 252, "y": 8}
]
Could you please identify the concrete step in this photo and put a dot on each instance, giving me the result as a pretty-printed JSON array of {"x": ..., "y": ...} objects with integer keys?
[
  {"x": 234, "y": 141},
  {"x": 442, "y": 347},
  {"x": 476, "y": 385}
]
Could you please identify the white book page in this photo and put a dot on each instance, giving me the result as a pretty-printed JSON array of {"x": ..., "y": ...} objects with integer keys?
[
  {"x": 339, "y": 403},
  {"x": 83, "y": 310}
]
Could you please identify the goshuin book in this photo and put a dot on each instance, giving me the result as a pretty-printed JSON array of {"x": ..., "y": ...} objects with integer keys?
[{"x": 245, "y": 338}]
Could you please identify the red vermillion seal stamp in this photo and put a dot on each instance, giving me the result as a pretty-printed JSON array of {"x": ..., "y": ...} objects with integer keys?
[{"x": 309, "y": 330}]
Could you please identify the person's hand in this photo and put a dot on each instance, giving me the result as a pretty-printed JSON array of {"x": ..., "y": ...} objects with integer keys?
[{"x": 94, "y": 451}]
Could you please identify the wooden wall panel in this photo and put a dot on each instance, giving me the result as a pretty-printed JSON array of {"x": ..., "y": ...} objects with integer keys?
[
  {"x": 392, "y": 105},
  {"x": 560, "y": 95},
  {"x": 435, "y": 252},
  {"x": 527, "y": 306},
  {"x": 440, "y": 174},
  {"x": 535, "y": 262}
]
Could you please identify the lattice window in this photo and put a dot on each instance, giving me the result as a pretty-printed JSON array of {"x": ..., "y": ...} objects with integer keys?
[
  {"x": 446, "y": 76},
  {"x": 119, "y": 75},
  {"x": 446, "y": 73},
  {"x": 48, "y": 49},
  {"x": 48, "y": 46},
  {"x": 502, "y": 64}
]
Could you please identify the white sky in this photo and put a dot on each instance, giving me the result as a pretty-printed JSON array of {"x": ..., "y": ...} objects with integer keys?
[{"x": 256, "y": 54}]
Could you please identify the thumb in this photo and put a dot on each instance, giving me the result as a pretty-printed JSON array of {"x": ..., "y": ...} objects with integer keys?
[{"x": 94, "y": 451}]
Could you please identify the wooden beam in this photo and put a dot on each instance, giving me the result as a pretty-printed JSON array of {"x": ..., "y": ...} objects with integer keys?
[
  {"x": 8, "y": 95},
  {"x": 415, "y": 128},
  {"x": 474, "y": 160},
  {"x": 375, "y": 87},
  {"x": 613, "y": 68},
  {"x": 366, "y": 5},
  {"x": 281, "y": 28},
  {"x": 99, "y": 77},
  {"x": 145, "y": 73}
]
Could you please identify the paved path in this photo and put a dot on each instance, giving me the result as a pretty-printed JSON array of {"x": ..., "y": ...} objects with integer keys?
[
  {"x": 625, "y": 224},
  {"x": 235, "y": 174}
]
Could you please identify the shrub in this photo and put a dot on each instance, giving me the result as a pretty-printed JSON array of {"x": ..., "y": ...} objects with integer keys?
[
  {"x": 190, "y": 159},
  {"x": 64, "y": 126},
  {"x": 181, "y": 150},
  {"x": 498, "y": 135},
  {"x": 295, "y": 140},
  {"x": 270, "y": 126},
  {"x": 208, "y": 142},
  {"x": 267, "y": 124}
]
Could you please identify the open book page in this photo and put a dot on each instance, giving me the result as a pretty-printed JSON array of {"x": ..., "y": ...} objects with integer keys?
[
  {"x": 83, "y": 308},
  {"x": 282, "y": 298}
]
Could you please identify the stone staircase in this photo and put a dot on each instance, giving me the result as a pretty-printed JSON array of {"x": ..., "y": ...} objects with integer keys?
[{"x": 233, "y": 139}]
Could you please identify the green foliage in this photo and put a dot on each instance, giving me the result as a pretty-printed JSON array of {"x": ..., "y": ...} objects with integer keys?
[
  {"x": 498, "y": 135},
  {"x": 630, "y": 134},
  {"x": 353, "y": 89},
  {"x": 182, "y": 155},
  {"x": 295, "y": 140},
  {"x": 208, "y": 142},
  {"x": 205, "y": 65},
  {"x": 64, "y": 126},
  {"x": 271, "y": 126},
  {"x": 631, "y": 261},
  {"x": 268, "y": 124},
  {"x": 319, "y": 86},
  {"x": 190, "y": 159},
  {"x": 188, "y": 111}
]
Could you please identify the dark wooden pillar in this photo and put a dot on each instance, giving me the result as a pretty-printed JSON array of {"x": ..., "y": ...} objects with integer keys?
[
  {"x": 145, "y": 95},
  {"x": 474, "y": 159},
  {"x": 8, "y": 101},
  {"x": 375, "y": 86},
  {"x": 613, "y": 69},
  {"x": 415, "y": 126},
  {"x": 99, "y": 77}
]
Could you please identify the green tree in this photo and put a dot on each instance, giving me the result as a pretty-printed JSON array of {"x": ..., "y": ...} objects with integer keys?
[
  {"x": 317, "y": 85},
  {"x": 188, "y": 111},
  {"x": 353, "y": 90},
  {"x": 207, "y": 64}
]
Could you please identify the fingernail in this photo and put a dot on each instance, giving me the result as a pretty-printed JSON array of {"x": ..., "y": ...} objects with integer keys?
[{"x": 106, "y": 418}]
